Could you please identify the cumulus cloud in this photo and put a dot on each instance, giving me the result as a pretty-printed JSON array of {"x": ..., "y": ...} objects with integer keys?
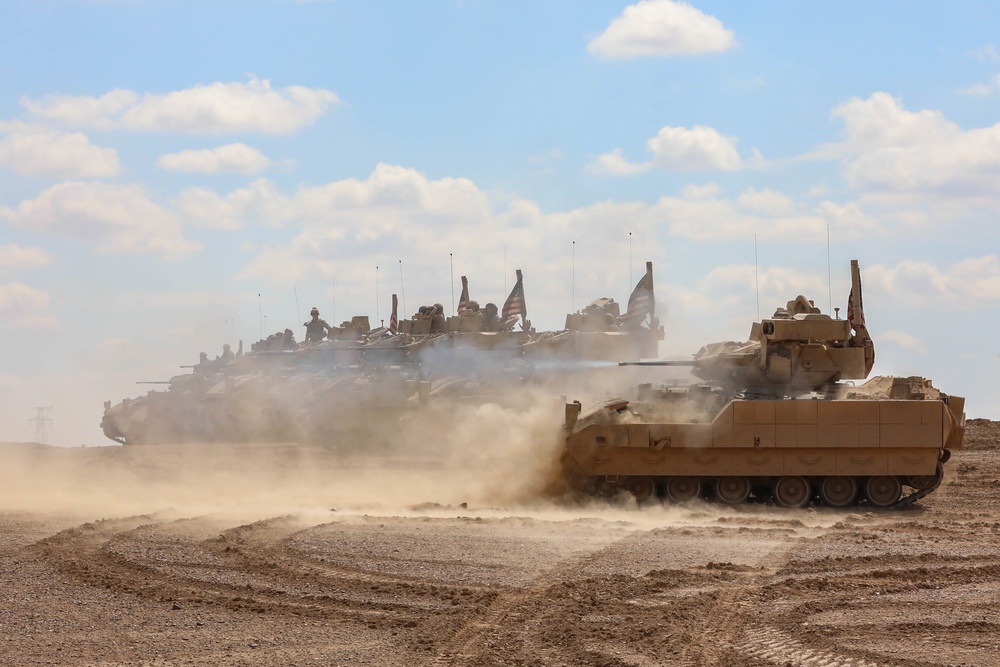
[
  {"x": 24, "y": 307},
  {"x": 258, "y": 203},
  {"x": 342, "y": 230},
  {"x": 348, "y": 227},
  {"x": 969, "y": 284},
  {"x": 766, "y": 201},
  {"x": 662, "y": 28},
  {"x": 896, "y": 154},
  {"x": 698, "y": 148},
  {"x": 231, "y": 158},
  {"x": 215, "y": 108},
  {"x": 116, "y": 218},
  {"x": 13, "y": 256},
  {"x": 45, "y": 152}
]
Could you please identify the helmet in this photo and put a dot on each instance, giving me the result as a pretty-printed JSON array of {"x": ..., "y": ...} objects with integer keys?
[{"x": 314, "y": 311}]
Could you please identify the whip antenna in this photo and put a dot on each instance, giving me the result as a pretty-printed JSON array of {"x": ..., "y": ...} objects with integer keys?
[
  {"x": 829, "y": 272},
  {"x": 402, "y": 290},
  {"x": 298, "y": 312},
  {"x": 756, "y": 278}
]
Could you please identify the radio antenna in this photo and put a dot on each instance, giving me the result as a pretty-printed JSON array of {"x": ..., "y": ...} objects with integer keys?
[
  {"x": 756, "y": 278},
  {"x": 829, "y": 271}
]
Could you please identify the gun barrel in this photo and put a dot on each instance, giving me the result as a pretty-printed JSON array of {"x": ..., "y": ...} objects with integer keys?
[{"x": 664, "y": 362}]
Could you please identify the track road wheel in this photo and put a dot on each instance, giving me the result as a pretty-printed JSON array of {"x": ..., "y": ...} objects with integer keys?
[
  {"x": 883, "y": 490},
  {"x": 732, "y": 490},
  {"x": 791, "y": 492},
  {"x": 683, "y": 489},
  {"x": 642, "y": 488},
  {"x": 838, "y": 491}
]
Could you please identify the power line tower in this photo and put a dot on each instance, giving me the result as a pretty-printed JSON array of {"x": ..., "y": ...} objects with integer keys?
[{"x": 41, "y": 420}]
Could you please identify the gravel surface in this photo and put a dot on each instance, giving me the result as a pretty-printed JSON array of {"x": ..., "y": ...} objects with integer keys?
[{"x": 284, "y": 555}]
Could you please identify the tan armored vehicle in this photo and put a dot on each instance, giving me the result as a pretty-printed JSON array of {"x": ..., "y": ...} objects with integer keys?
[
  {"x": 363, "y": 385},
  {"x": 773, "y": 419}
]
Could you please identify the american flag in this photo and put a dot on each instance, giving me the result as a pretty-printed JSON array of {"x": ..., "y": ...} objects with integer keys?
[
  {"x": 859, "y": 325},
  {"x": 463, "y": 301},
  {"x": 641, "y": 302},
  {"x": 393, "y": 319},
  {"x": 856, "y": 318},
  {"x": 514, "y": 305}
]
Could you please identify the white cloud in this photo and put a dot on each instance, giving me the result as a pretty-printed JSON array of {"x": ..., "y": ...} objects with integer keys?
[
  {"x": 348, "y": 227},
  {"x": 231, "y": 158},
  {"x": 44, "y": 152},
  {"x": 891, "y": 152},
  {"x": 971, "y": 284},
  {"x": 698, "y": 148},
  {"x": 13, "y": 256},
  {"x": 982, "y": 89},
  {"x": 616, "y": 164},
  {"x": 766, "y": 201},
  {"x": 258, "y": 203},
  {"x": 82, "y": 111},
  {"x": 819, "y": 190},
  {"x": 24, "y": 307},
  {"x": 116, "y": 218},
  {"x": 901, "y": 339},
  {"x": 214, "y": 109},
  {"x": 662, "y": 28}
]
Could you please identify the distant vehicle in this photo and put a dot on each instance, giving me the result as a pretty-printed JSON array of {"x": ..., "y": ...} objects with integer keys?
[
  {"x": 363, "y": 386},
  {"x": 773, "y": 419}
]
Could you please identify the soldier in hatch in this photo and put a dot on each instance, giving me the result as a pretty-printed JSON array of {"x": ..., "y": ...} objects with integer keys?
[
  {"x": 438, "y": 322},
  {"x": 316, "y": 329},
  {"x": 491, "y": 317}
]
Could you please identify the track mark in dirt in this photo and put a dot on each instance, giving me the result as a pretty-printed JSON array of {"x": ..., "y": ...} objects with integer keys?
[
  {"x": 778, "y": 648},
  {"x": 575, "y": 614}
]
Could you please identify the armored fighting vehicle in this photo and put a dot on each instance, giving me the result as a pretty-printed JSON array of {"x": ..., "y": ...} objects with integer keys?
[
  {"x": 364, "y": 385},
  {"x": 773, "y": 418}
]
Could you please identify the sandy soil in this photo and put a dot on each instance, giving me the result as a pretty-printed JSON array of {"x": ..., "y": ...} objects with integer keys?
[{"x": 282, "y": 555}]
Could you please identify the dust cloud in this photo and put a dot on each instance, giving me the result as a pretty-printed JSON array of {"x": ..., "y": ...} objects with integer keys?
[
  {"x": 263, "y": 438},
  {"x": 485, "y": 454}
]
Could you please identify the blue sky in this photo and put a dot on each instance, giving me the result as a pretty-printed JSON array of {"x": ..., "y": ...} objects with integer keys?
[{"x": 163, "y": 164}]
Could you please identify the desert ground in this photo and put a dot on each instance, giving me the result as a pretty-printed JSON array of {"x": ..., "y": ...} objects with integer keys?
[{"x": 287, "y": 555}]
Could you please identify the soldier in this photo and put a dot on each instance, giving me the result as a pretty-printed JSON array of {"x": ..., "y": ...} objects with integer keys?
[
  {"x": 290, "y": 343},
  {"x": 316, "y": 329},
  {"x": 227, "y": 354},
  {"x": 491, "y": 317},
  {"x": 438, "y": 323}
]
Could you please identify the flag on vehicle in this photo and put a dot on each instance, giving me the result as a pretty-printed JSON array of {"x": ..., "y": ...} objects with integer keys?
[
  {"x": 856, "y": 317},
  {"x": 514, "y": 305},
  {"x": 642, "y": 302},
  {"x": 463, "y": 301},
  {"x": 393, "y": 319}
]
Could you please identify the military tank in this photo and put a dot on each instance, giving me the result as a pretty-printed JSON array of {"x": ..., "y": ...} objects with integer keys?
[
  {"x": 361, "y": 385},
  {"x": 774, "y": 417}
]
